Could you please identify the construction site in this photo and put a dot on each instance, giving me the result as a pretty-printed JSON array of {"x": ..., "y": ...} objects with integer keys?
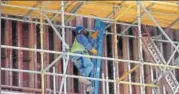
[{"x": 136, "y": 47}]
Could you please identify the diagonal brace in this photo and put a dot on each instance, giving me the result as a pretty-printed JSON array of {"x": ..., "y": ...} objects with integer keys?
[
  {"x": 159, "y": 27},
  {"x": 58, "y": 58},
  {"x": 56, "y": 31}
]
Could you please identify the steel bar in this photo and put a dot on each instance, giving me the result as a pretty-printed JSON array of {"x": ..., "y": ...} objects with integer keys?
[
  {"x": 89, "y": 56},
  {"x": 75, "y": 76}
]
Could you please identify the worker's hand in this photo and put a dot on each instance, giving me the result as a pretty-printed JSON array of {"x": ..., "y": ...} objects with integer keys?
[{"x": 94, "y": 51}]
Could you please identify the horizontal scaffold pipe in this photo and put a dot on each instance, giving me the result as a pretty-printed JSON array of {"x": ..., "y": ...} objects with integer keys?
[
  {"x": 78, "y": 77},
  {"x": 71, "y": 27},
  {"x": 89, "y": 56}
]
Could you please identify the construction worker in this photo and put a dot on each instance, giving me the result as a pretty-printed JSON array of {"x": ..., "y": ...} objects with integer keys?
[{"x": 82, "y": 45}]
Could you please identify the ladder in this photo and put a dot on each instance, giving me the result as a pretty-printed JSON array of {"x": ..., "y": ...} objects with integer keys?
[
  {"x": 170, "y": 79},
  {"x": 97, "y": 62}
]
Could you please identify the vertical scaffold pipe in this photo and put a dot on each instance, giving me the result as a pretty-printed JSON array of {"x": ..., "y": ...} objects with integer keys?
[
  {"x": 115, "y": 64},
  {"x": 42, "y": 53},
  {"x": 140, "y": 47}
]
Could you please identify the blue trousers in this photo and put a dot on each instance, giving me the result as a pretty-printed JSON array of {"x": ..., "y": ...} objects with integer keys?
[{"x": 83, "y": 64}]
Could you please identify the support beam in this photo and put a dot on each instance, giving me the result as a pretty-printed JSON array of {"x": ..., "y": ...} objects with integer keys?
[
  {"x": 148, "y": 72},
  {"x": 124, "y": 65},
  {"x": 58, "y": 65},
  {"x": 79, "y": 21},
  {"x": 69, "y": 40},
  {"x": 105, "y": 66},
  {"x": 33, "y": 55},
  {"x": 136, "y": 89},
  {"x": 8, "y": 52},
  {"x": 46, "y": 56},
  {"x": 20, "y": 53}
]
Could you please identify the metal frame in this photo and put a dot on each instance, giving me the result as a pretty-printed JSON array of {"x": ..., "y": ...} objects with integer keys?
[{"x": 65, "y": 55}]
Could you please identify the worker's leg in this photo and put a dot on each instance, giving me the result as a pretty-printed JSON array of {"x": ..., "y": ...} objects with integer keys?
[
  {"x": 88, "y": 66},
  {"x": 78, "y": 62}
]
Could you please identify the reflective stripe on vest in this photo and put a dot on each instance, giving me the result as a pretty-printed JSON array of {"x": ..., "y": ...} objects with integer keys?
[{"x": 77, "y": 47}]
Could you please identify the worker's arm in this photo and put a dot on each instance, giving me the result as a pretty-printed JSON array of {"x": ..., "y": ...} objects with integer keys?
[
  {"x": 93, "y": 41},
  {"x": 83, "y": 40}
]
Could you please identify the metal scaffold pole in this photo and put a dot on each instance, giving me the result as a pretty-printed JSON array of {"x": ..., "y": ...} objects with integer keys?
[
  {"x": 90, "y": 56},
  {"x": 42, "y": 53},
  {"x": 115, "y": 53},
  {"x": 140, "y": 47},
  {"x": 54, "y": 81},
  {"x": 65, "y": 56},
  {"x": 63, "y": 44}
]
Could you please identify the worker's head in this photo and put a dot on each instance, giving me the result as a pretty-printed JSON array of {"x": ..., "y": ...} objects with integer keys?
[
  {"x": 79, "y": 29},
  {"x": 95, "y": 33}
]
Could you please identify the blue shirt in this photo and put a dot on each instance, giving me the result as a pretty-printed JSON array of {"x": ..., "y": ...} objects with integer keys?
[{"x": 83, "y": 40}]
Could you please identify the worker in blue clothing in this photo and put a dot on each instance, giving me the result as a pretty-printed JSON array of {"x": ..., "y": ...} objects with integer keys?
[{"x": 83, "y": 45}]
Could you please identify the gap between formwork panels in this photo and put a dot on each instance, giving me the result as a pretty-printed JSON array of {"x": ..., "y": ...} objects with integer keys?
[{"x": 27, "y": 35}]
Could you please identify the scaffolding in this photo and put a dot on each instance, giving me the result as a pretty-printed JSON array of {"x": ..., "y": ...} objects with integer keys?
[{"x": 141, "y": 9}]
